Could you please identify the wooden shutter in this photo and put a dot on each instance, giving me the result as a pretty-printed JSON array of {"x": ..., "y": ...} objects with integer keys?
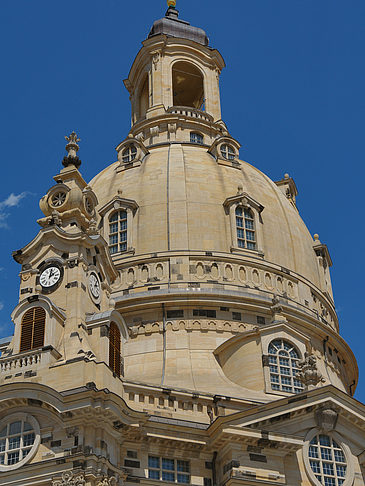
[
  {"x": 114, "y": 348},
  {"x": 32, "y": 332}
]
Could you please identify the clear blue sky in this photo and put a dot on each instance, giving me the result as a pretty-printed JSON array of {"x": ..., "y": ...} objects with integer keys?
[{"x": 292, "y": 94}]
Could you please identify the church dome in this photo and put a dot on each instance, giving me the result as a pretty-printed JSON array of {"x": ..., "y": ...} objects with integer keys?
[
  {"x": 189, "y": 214},
  {"x": 218, "y": 274}
]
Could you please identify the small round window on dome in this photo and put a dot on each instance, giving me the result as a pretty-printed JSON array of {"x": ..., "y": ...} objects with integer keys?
[
  {"x": 129, "y": 153},
  {"x": 58, "y": 199},
  {"x": 228, "y": 152}
]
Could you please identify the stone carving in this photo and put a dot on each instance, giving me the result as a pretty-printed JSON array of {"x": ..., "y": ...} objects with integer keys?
[
  {"x": 326, "y": 418},
  {"x": 309, "y": 374},
  {"x": 107, "y": 482},
  {"x": 93, "y": 228},
  {"x": 277, "y": 310},
  {"x": 70, "y": 479},
  {"x": 72, "y": 148}
]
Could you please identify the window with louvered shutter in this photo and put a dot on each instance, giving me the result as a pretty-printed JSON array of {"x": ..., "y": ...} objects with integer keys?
[
  {"x": 114, "y": 348},
  {"x": 33, "y": 325}
]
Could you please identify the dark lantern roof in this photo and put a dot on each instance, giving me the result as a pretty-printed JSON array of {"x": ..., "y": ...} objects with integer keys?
[{"x": 172, "y": 26}]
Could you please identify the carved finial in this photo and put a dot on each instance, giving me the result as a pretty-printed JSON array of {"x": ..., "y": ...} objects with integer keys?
[
  {"x": 286, "y": 176},
  {"x": 72, "y": 148},
  {"x": 171, "y": 3}
]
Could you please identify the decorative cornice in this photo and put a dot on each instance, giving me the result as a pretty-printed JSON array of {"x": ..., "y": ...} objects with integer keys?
[{"x": 70, "y": 479}]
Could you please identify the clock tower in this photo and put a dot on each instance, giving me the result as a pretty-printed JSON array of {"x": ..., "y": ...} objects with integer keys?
[{"x": 66, "y": 275}]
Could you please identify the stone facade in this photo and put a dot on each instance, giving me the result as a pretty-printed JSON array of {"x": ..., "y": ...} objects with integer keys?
[{"x": 176, "y": 321}]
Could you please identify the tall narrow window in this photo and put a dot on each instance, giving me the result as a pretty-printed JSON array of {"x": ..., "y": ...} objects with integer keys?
[
  {"x": 245, "y": 225},
  {"x": 118, "y": 232},
  {"x": 114, "y": 348},
  {"x": 283, "y": 362},
  {"x": 32, "y": 332}
]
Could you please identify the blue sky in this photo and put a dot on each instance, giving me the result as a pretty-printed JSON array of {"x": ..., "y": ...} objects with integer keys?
[{"x": 292, "y": 94}]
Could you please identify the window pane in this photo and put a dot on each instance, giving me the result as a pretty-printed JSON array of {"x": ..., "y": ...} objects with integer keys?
[
  {"x": 183, "y": 466},
  {"x": 313, "y": 452},
  {"x": 14, "y": 442},
  {"x": 28, "y": 440},
  {"x": 13, "y": 458},
  {"x": 154, "y": 462},
  {"x": 15, "y": 428},
  {"x": 250, "y": 235},
  {"x": 27, "y": 427},
  {"x": 168, "y": 464},
  {"x": 152, "y": 474},
  {"x": 183, "y": 478},
  {"x": 324, "y": 440},
  {"x": 2, "y": 445},
  {"x": 113, "y": 228},
  {"x": 251, "y": 246},
  {"x": 248, "y": 224},
  {"x": 3, "y": 432},
  {"x": 168, "y": 476},
  {"x": 114, "y": 217},
  {"x": 2, "y": 459}
]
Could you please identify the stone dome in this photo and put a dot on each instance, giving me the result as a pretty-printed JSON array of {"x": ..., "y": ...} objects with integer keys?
[{"x": 192, "y": 203}]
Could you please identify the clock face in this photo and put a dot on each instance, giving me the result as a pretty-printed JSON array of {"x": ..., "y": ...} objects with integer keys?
[
  {"x": 50, "y": 276},
  {"x": 94, "y": 285}
]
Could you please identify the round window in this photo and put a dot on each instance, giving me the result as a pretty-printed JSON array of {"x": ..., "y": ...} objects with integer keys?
[
  {"x": 327, "y": 460},
  {"x": 89, "y": 205},
  {"x": 58, "y": 199},
  {"x": 129, "y": 153},
  {"x": 19, "y": 440},
  {"x": 228, "y": 152}
]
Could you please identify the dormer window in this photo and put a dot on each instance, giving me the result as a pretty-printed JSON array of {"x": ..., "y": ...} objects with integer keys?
[
  {"x": 228, "y": 152},
  {"x": 196, "y": 138},
  {"x": 245, "y": 226},
  {"x": 129, "y": 154},
  {"x": 118, "y": 232}
]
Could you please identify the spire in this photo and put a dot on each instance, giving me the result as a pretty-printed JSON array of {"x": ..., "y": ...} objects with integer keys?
[{"x": 72, "y": 148}]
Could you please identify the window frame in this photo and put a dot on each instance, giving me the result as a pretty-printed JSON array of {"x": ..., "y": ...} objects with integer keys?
[
  {"x": 114, "y": 205},
  {"x": 120, "y": 231},
  {"x": 279, "y": 365},
  {"x": 245, "y": 230},
  {"x": 227, "y": 151},
  {"x": 175, "y": 471},
  {"x": 129, "y": 154},
  {"x": 23, "y": 417},
  {"x": 199, "y": 138},
  {"x": 350, "y": 472}
]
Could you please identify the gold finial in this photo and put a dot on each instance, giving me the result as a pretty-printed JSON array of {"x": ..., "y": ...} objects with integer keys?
[{"x": 171, "y": 3}]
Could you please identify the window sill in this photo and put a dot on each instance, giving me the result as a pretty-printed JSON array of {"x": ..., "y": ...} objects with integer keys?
[{"x": 246, "y": 251}]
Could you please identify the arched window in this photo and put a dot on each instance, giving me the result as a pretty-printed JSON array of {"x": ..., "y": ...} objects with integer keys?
[
  {"x": 118, "y": 232},
  {"x": 196, "y": 138},
  {"x": 114, "y": 348},
  {"x": 188, "y": 85},
  {"x": 129, "y": 154},
  {"x": 245, "y": 225},
  {"x": 327, "y": 460},
  {"x": 228, "y": 152},
  {"x": 32, "y": 331},
  {"x": 283, "y": 362}
]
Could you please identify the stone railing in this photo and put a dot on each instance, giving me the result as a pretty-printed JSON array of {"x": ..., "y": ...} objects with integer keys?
[
  {"x": 24, "y": 361},
  {"x": 20, "y": 361},
  {"x": 191, "y": 112}
]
